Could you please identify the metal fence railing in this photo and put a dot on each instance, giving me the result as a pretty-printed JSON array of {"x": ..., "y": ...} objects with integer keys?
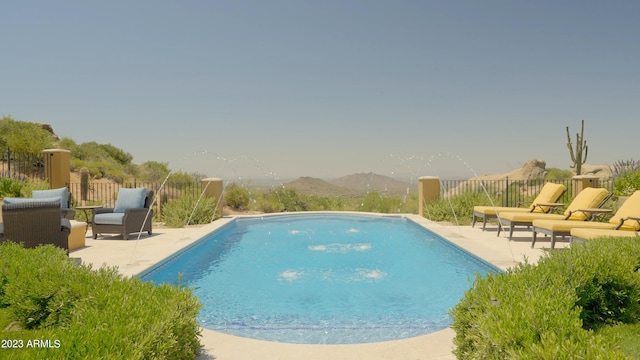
[
  {"x": 21, "y": 165},
  {"x": 105, "y": 193},
  {"x": 510, "y": 192}
]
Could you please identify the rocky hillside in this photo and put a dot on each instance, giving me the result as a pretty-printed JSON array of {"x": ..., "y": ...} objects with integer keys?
[{"x": 536, "y": 169}]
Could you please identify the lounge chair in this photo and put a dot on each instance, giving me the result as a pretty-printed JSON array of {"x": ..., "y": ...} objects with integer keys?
[
  {"x": 131, "y": 214},
  {"x": 626, "y": 218},
  {"x": 588, "y": 198},
  {"x": 586, "y": 234},
  {"x": 543, "y": 203},
  {"x": 34, "y": 223}
]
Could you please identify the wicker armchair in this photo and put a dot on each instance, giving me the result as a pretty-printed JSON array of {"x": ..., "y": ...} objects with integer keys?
[
  {"x": 65, "y": 200},
  {"x": 35, "y": 223},
  {"x": 131, "y": 214}
]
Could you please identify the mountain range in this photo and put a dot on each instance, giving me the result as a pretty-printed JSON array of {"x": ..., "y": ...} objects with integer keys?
[{"x": 350, "y": 185}]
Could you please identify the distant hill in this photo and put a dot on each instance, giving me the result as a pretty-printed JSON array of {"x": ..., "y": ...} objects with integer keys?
[
  {"x": 318, "y": 187},
  {"x": 349, "y": 186},
  {"x": 372, "y": 182}
]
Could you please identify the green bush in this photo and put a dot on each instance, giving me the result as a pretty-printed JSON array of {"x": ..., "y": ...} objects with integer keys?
[
  {"x": 19, "y": 188},
  {"x": 236, "y": 196},
  {"x": 627, "y": 183},
  {"x": 458, "y": 208},
  {"x": 189, "y": 210},
  {"x": 90, "y": 314},
  {"x": 550, "y": 310},
  {"x": 558, "y": 174},
  {"x": 283, "y": 200},
  {"x": 10, "y": 187},
  {"x": 24, "y": 136},
  {"x": 374, "y": 202},
  {"x": 180, "y": 180}
]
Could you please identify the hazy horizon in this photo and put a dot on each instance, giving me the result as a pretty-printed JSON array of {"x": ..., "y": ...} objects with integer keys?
[{"x": 283, "y": 89}]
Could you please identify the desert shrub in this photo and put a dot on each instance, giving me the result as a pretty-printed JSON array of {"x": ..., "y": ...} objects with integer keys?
[
  {"x": 236, "y": 196},
  {"x": 153, "y": 171},
  {"x": 624, "y": 337},
  {"x": 180, "y": 180},
  {"x": 627, "y": 183},
  {"x": 30, "y": 185},
  {"x": 91, "y": 314},
  {"x": 291, "y": 200},
  {"x": 10, "y": 187},
  {"x": 622, "y": 166},
  {"x": 267, "y": 206},
  {"x": 549, "y": 311},
  {"x": 285, "y": 200},
  {"x": 189, "y": 210},
  {"x": 323, "y": 203},
  {"x": 24, "y": 136},
  {"x": 606, "y": 280},
  {"x": 558, "y": 174},
  {"x": 374, "y": 202},
  {"x": 456, "y": 208}
]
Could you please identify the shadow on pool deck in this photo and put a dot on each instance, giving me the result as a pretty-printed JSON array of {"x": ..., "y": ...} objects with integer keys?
[{"x": 135, "y": 255}]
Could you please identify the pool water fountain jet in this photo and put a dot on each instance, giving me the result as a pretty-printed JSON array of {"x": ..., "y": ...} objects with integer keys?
[
  {"x": 230, "y": 164},
  {"x": 155, "y": 196},
  {"x": 482, "y": 186},
  {"x": 162, "y": 185},
  {"x": 277, "y": 186}
]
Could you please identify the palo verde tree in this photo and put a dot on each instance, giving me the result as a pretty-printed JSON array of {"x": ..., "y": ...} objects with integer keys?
[{"x": 579, "y": 155}]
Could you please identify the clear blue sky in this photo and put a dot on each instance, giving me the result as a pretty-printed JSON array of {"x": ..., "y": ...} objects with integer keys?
[{"x": 329, "y": 88}]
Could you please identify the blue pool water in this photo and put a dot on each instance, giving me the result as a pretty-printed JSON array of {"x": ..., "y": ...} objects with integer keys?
[{"x": 323, "y": 278}]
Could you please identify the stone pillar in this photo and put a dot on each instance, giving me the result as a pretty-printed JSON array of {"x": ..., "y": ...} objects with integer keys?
[
  {"x": 580, "y": 182},
  {"x": 57, "y": 167},
  {"x": 428, "y": 189},
  {"x": 213, "y": 187}
]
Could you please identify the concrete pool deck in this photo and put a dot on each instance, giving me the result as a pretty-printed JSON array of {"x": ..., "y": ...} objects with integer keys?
[{"x": 134, "y": 256}]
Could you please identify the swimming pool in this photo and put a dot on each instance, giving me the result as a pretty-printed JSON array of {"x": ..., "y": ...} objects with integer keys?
[{"x": 323, "y": 278}]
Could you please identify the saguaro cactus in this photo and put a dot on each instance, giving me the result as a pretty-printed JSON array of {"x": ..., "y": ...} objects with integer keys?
[
  {"x": 579, "y": 155},
  {"x": 84, "y": 183}
]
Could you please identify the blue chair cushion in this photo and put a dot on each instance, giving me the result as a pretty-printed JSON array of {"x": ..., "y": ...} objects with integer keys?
[
  {"x": 109, "y": 218},
  {"x": 62, "y": 193},
  {"x": 130, "y": 198},
  {"x": 10, "y": 200}
]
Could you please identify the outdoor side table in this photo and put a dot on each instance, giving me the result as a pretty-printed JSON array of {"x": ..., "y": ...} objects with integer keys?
[{"x": 88, "y": 209}]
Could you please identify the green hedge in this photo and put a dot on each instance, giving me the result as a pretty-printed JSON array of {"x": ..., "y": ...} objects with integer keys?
[
  {"x": 82, "y": 313},
  {"x": 552, "y": 310}
]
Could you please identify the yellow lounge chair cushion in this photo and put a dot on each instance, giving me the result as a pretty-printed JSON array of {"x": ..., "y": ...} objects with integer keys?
[
  {"x": 588, "y": 234},
  {"x": 631, "y": 207},
  {"x": 563, "y": 226},
  {"x": 550, "y": 193},
  {"x": 528, "y": 217},
  {"x": 587, "y": 199},
  {"x": 493, "y": 210}
]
